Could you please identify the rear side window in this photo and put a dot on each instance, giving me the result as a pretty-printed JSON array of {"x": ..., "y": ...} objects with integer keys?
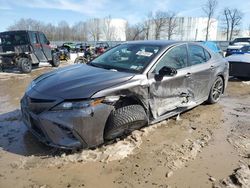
[
  {"x": 174, "y": 58},
  {"x": 14, "y": 38},
  {"x": 198, "y": 55}
]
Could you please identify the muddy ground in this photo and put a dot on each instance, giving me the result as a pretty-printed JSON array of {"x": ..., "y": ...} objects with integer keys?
[{"x": 208, "y": 146}]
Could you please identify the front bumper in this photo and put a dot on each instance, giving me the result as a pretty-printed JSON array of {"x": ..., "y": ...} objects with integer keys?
[{"x": 69, "y": 129}]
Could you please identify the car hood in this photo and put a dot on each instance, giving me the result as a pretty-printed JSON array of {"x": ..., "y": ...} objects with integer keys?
[{"x": 78, "y": 81}]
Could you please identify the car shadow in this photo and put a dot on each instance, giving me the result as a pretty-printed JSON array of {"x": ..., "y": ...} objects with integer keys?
[
  {"x": 236, "y": 79},
  {"x": 15, "y": 69},
  {"x": 15, "y": 137}
]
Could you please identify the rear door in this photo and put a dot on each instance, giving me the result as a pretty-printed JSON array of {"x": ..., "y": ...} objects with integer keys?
[
  {"x": 38, "y": 50},
  {"x": 45, "y": 46},
  {"x": 201, "y": 71}
]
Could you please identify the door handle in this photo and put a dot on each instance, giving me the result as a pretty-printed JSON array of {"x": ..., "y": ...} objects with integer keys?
[{"x": 188, "y": 75}]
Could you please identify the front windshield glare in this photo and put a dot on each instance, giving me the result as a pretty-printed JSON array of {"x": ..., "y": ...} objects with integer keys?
[{"x": 127, "y": 57}]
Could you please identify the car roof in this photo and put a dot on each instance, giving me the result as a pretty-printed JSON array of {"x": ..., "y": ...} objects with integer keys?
[
  {"x": 19, "y": 31},
  {"x": 162, "y": 43}
]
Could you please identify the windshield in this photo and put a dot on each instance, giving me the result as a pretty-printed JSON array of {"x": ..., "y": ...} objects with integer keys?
[
  {"x": 127, "y": 57},
  {"x": 11, "y": 39}
]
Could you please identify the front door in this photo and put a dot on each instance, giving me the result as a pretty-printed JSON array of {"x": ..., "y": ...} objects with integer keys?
[
  {"x": 171, "y": 92},
  {"x": 38, "y": 50},
  {"x": 45, "y": 46}
]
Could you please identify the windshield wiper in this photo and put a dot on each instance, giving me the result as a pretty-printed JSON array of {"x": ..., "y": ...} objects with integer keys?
[{"x": 95, "y": 65}]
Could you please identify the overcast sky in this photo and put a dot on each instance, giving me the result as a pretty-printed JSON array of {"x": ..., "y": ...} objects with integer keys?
[{"x": 72, "y": 11}]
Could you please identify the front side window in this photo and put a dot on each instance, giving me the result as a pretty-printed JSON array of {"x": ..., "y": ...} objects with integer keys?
[
  {"x": 33, "y": 38},
  {"x": 43, "y": 39},
  {"x": 127, "y": 57},
  {"x": 176, "y": 58},
  {"x": 197, "y": 55}
]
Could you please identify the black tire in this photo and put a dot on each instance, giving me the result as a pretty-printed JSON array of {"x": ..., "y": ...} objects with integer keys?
[
  {"x": 124, "y": 120},
  {"x": 24, "y": 64},
  {"x": 55, "y": 60},
  {"x": 216, "y": 90},
  {"x": 79, "y": 60}
]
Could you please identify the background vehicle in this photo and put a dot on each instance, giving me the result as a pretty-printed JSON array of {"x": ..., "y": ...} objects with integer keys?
[
  {"x": 236, "y": 44},
  {"x": 26, "y": 48},
  {"x": 101, "y": 47},
  {"x": 243, "y": 50},
  {"x": 70, "y": 46},
  {"x": 129, "y": 86},
  {"x": 239, "y": 65}
]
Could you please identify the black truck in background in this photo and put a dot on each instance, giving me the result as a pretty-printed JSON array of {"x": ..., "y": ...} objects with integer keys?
[{"x": 26, "y": 48}]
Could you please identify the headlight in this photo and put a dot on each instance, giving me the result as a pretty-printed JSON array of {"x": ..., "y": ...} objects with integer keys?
[{"x": 77, "y": 105}]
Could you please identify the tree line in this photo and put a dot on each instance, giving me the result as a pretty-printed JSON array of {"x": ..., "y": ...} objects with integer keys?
[{"x": 162, "y": 21}]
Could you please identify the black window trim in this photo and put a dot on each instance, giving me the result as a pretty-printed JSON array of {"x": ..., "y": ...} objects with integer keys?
[
  {"x": 151, "y": 70},
  {"x": 189, "y": 57}
]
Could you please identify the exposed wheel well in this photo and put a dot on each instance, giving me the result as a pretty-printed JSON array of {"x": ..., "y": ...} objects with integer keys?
[{"x": 126, "y": 101}]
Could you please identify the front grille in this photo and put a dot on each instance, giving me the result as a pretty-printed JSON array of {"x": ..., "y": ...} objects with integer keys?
[
  {"x": 67, "y": 131},
  {"x": 35, "y": 126},
  {"x": 38, "y": 106}
]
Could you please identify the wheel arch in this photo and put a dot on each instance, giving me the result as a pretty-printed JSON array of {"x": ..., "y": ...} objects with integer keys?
[
  {"x": 126, "y": 101},
  {"x": 223, "y": 79}
]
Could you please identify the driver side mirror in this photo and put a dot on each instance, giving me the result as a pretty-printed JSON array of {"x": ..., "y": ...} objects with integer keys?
[
  {"x": 165, "y": 71},
  {"x": 230, "y": 43},
  {"x": 48, "y": 42}
]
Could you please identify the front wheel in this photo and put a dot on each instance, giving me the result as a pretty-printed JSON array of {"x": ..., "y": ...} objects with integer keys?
[
  {"x": 216, "y": 91},
  {"x": 124, "y": 120},
  {"x": 79, "y": 60}
]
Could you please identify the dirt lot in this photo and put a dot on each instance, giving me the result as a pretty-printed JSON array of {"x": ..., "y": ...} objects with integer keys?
[{"x": 208, "y": 146}]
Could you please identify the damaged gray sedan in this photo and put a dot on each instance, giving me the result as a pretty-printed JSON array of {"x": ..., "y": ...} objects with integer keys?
[{"x": 130, "y": 86}]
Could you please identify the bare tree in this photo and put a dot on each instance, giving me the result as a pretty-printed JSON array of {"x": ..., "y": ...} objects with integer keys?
[
  {"x": 226, "y": 22},
  {"x": 26, "y": 24},
  {"x": 135, "y": 32},
  {"x": 79, "y": 31},
  {"x": 160, "y": 21},
  {"x": 107, "y": 28},
  {"x": 94, "y": 29},
  {"x": 232, "y": 20},
  {"x": 171, "y": 25},
  {"x": 209, "y": 9},
  {"x": 248, "y": 30},
  {"x": 147, "y": 25}
]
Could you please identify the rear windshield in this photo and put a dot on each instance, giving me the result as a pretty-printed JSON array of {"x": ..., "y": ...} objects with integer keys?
[
  {"x": 241, "y": 40},
  {"x": 10, "y": 39}
]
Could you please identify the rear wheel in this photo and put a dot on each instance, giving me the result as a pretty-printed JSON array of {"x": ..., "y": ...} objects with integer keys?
[
  {"x": 24, "y": 64},
  {"x": 216, "y": 91},
  {"x": 55, "y": 60},
  {"x": 124, "y": 120}
]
